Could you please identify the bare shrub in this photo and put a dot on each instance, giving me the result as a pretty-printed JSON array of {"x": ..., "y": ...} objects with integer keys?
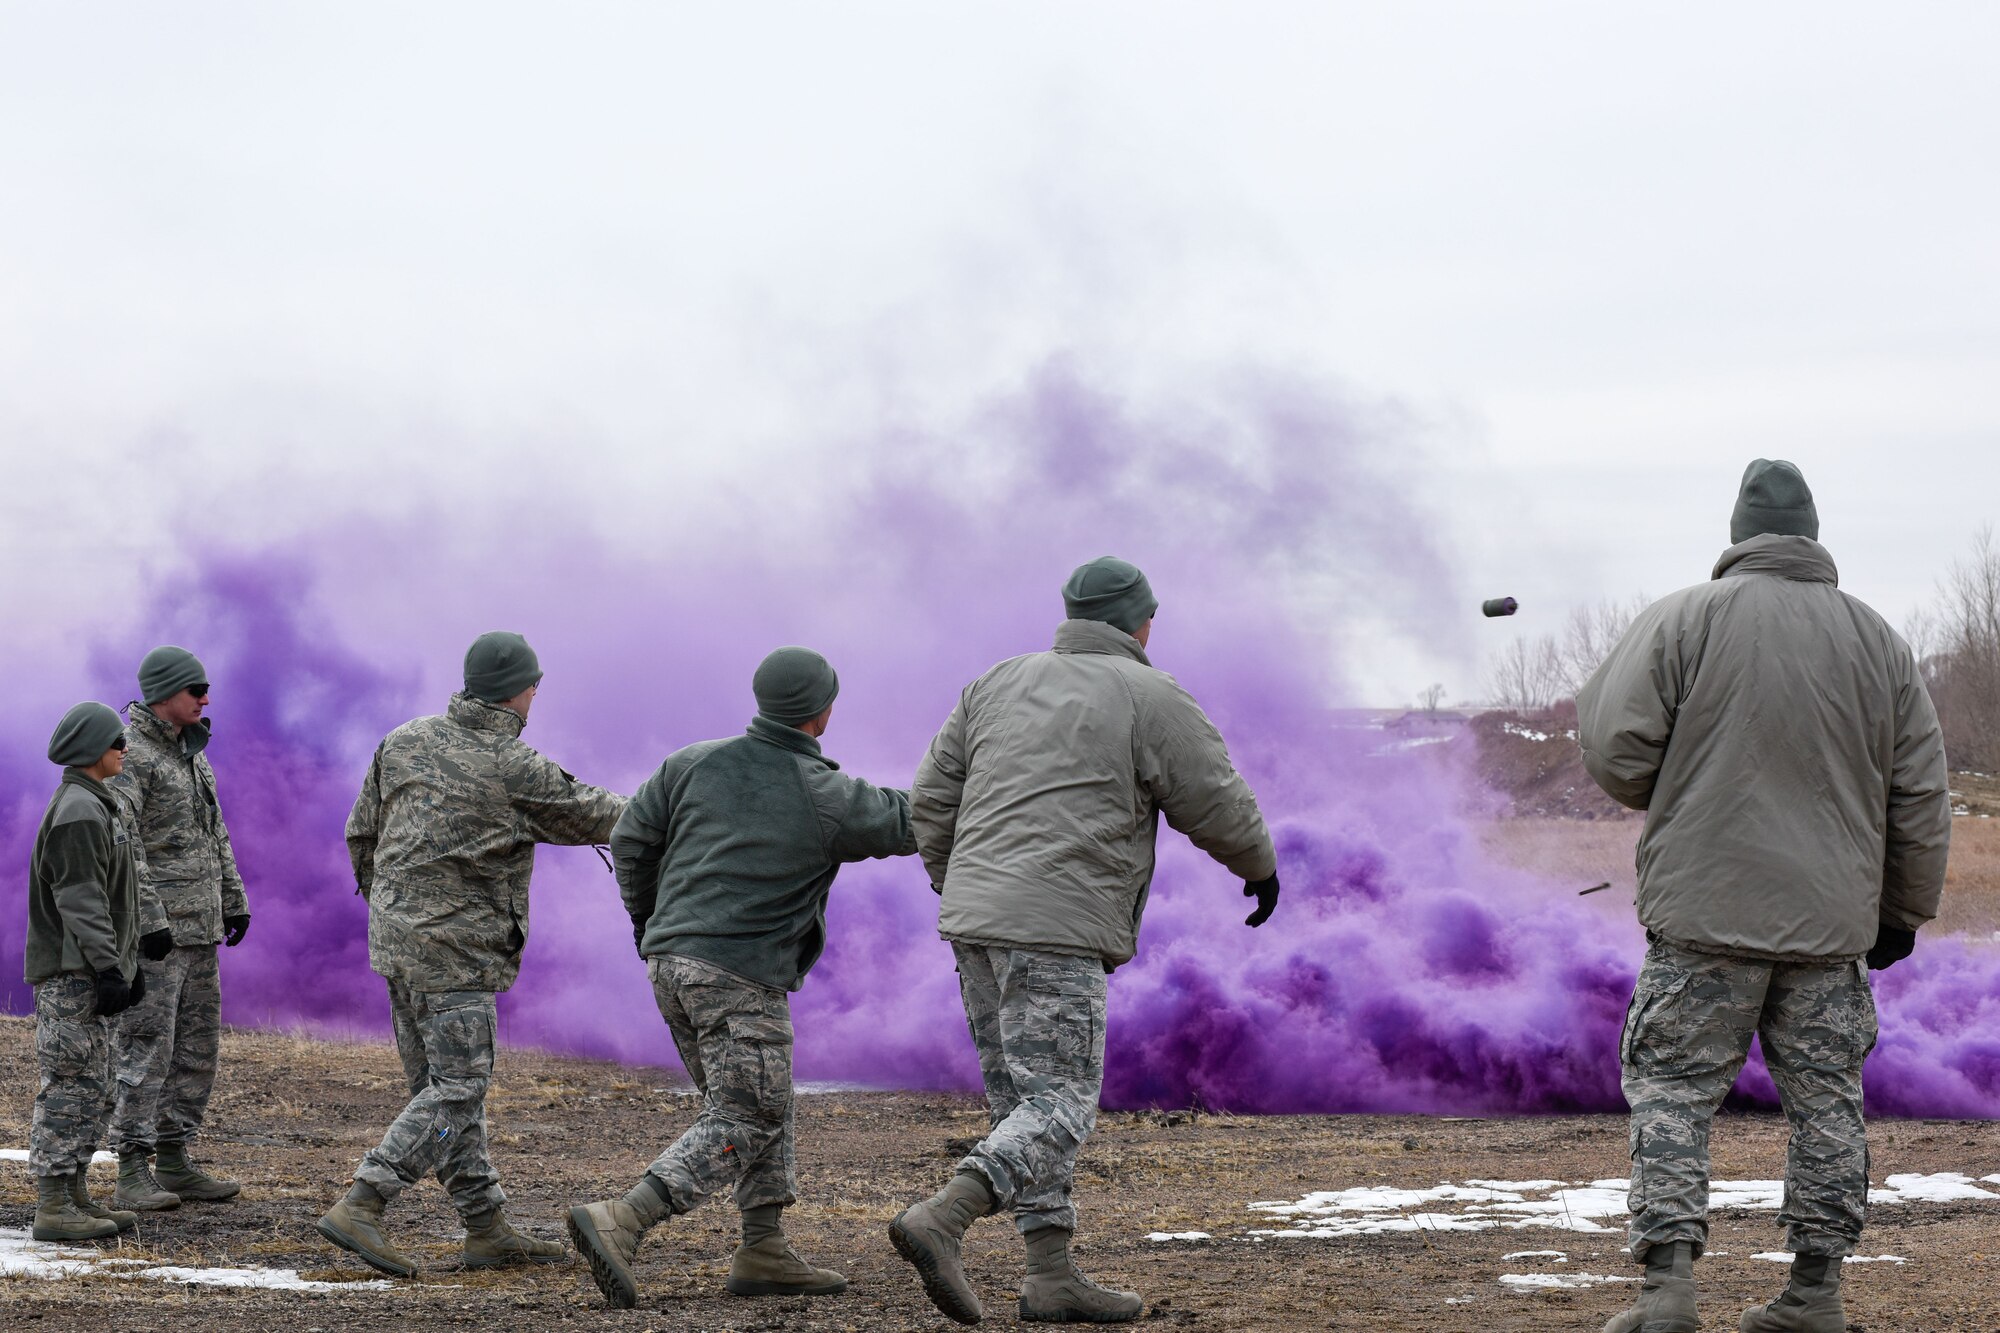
[{"x": 1957, "y": 641}]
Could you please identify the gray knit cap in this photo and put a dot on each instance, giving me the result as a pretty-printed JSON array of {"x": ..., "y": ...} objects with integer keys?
[
  {"x": 794, "y": 685},
  {"x": 499, "y": 665},
  {"x": 1110, "y": 590},
  {"x": 168, "y": 670},
  {"x": 1774, "y": 498},
  {"x": 84, "y": 734}
]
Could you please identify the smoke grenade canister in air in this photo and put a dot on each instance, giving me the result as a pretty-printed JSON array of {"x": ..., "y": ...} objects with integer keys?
[{"x": 1499, "y": 606}]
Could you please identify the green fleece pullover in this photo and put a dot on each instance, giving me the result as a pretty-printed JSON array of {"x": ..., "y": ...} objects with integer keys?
[
  {"x": 727, "y": 853},
  {"x": 83, "y": 885}
]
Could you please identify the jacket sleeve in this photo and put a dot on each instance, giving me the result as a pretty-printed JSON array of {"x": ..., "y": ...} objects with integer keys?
[
  {"x": 234, "y": 902},
  {"x": 936, "y": 793},
  {"x": 128, "y": 789},
  {"x": 364, "y": 827},
  {"x": 639, "y": 842},
  {"x": 1919, "y": 808},
  {"x": 1184, "y": 766},
  {"x": 76, "y": 856},
  {"x": 874, "y": 823},
  {"x": 1625, "y": 713},
  {"x": 555, "y": 807}
]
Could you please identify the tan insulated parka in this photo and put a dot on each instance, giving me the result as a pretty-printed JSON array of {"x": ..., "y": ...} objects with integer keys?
[
  {"x": 1038, "y": 804},
  {"x": 1779, "y": 737}
]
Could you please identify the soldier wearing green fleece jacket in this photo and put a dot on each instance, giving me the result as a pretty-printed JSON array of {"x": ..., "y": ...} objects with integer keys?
[{"x": 725, "y": 857}]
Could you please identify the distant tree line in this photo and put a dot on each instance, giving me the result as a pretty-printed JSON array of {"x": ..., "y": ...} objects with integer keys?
[
  {"x": 1538, "y": 672},
  {"x": 1957, "y": 640}
]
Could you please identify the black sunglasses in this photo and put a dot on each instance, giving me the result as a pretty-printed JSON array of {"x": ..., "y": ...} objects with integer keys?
[
  {"x": 118, "y": 744},
  {"x": 199, "y": 691}
]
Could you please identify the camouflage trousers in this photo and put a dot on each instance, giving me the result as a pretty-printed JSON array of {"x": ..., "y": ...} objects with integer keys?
[
  {"x": 1686, "y": 1037},
  {"x": 1038, "y": 1021},
  {"x": 735, "y": 1038},
  {"x": 164, "y": 1051},
  {"x": 73, "y": 1059},
  {"x": 446, "y": 1040}
]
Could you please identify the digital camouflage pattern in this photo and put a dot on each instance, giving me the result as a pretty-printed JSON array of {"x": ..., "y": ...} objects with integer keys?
[
  {"x": 735, "y": 1038},
  {"x": 446, "y": 1041},
  {"x": 1686, "y": 1036},
  {"x": 443, "y": 837},
  {"x": 1038, "y": 1021},
  {"x": 187, "y": 867},
  {"x": 164, "y": 1052},
  {"x": 72, "y": 1056}
]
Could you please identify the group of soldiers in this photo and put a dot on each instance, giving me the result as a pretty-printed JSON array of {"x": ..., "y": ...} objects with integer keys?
[{"x": 1775, "y": 730}]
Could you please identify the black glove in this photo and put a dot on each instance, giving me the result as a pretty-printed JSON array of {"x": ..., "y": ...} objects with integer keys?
[
  {"x": 1892, "y": 946},
  {"x": 234, "y": 928},
  {"x": 113, "y": 995},
  {"x": 155, "y": 945},
  {"x": 639, "y": 934},
  {"x": 137, "y": 991},
  {"x": 1265, "y": 891}
]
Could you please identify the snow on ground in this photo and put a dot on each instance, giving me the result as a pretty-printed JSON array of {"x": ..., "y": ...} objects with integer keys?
[
  {"x": 23, "y": 1256},
  {"x": 1557, "y": 1281},
  {"x": 1783, "y": 1257},
  {"x": 1179, "y": 1235},
  {"x": 1596, "y": 1207},
  {"x": 21, "y": 1155}
]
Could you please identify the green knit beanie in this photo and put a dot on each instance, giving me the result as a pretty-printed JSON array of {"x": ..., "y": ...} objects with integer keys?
[
  {"x": 499, "y": 666},
  {"x": 794, "y": 685},
  {"x": 168, "y": 670},
  {"x": 1774, "y": 498},
  {"x": 84, "y": 734},
  {"x": 1110, "y": 590}
]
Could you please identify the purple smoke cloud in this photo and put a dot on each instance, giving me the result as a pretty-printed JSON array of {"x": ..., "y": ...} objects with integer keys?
[{"x": 1403, "y": 972}]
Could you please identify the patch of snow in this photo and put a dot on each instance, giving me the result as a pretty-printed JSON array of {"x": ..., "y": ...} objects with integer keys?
[
  {"x": 1557, "y": 1281},
  {"x": 1557, "y": 1255},
  {"x": 1944, "y": 1187},
  {"x": 23, "y": 1256},
  {"x": 1781, "y": 1257},
  {"x": 1179, "y": 1235},
  {"x": 21, "y": 1155},
  {"x": 1525, "y": 732}
]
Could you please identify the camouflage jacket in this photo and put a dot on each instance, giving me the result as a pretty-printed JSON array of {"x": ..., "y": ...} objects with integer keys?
[
  {"x": 443, "y": 840},
  {"x": 187, "y": 868}
]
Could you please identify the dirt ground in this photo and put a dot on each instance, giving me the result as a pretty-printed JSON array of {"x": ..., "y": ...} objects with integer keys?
[{"x": 292, "y": 1115}]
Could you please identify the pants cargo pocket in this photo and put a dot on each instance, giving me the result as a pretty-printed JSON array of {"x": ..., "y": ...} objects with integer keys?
[
  {"x": 1649, "y": 1015},
  {"x": 137, "y": 1057},
  {"x": 761, "y": 1064}
]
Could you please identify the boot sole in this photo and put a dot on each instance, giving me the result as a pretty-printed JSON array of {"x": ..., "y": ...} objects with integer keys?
[
  {"x": 52, "y": 1234},
  {"x": 744, "y": 1286},
  {"x": 606, "y": 1269},
  {"x": 141, "y": 1206},
  {"x": 362, "y": 1252},
  {"x": 195, "y": 1195},
  {"x": 949, "y": 1302},
  {"x": 1029, "y": 1316}
]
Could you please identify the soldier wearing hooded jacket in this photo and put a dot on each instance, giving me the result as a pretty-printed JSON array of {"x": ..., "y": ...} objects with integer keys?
[
  {"x": 1779, "y": 737},
  {"x": 443, "y": 838}
]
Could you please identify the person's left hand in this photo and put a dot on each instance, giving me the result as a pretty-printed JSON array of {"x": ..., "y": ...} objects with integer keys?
[
  {"x": 1892, "y": 945},
  {"x": 234, "y": 928},
  {"x": 1265, "y": 891}
]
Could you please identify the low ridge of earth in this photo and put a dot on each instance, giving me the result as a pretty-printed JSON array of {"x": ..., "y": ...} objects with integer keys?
[{"x": 1479, "y": 1201}]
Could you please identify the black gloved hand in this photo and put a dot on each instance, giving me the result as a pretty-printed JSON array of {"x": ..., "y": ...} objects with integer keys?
[
  {"x": 234, "y": 928},
  {"x": 1265, "y": 891},
  {"x": 155, "y": 945},
  {"x": 1892, "y": 946},
  {"x": 137, "y": 990},
  {"x": 639, "y": 934},
  {"x": 114, "y": 996}
]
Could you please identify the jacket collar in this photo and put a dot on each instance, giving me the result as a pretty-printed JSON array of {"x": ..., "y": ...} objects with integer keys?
[
  {"x": 786, "y": 738},
  {"x": 478, "y": 715},
  {"x": 76, "y": 777},
  {"x": 1094, "y": 636},
  {"x": 192, "y": 740},
  {"x": 1798, "y": 558}
]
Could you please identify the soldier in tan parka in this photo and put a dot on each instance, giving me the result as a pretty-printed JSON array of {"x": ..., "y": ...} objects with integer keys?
[
  {"x": 1779, "y": 737},
  {"x": 1036, "y": 811},
  {"x": 443, "y": 840}
]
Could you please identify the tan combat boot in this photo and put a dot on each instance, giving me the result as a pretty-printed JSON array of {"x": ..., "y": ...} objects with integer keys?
[
  {"x": 79, "y": 1194},
  {"x": 1810, "y": 1303},
  {"x": 58, "y": 1218},
  {"x": 1666, "y": 1297},
  {"x": 491, "y": 1242},
  {"x": 1053, "y": 1292},
  {"x": 929, "y": 1236},
  {"x": 177, "y": 1174},
  {"x": 607, "y": 1235},
  {"x": 772, "y": 1267},
  {"x": 355, "y": 1225},
  {"x": 137, "y": 1189}
]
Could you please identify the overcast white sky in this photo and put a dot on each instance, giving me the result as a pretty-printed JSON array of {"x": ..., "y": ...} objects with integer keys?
[{"x": 1602, "y": 254}]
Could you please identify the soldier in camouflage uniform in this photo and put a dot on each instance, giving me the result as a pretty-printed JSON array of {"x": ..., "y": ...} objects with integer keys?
[
  {"x": 443, "y": 840},
  {"x": 1036, "y": 811},
  {"x": 1780, "y": 739},
  {"x": 82, "y": 958},
  {"x": 165, "y": 1047},
  {"x": 725, "y": 858}
]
